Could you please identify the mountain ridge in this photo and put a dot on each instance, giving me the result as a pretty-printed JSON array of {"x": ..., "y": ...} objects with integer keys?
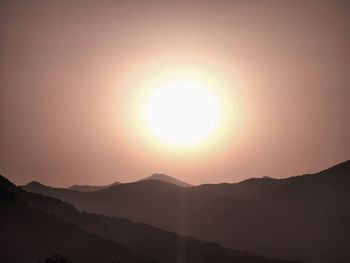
[
  {"x": 35, "y": 218},
  {"x": 240, "y": 211}
]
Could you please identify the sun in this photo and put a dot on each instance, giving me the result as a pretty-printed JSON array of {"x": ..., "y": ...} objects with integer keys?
[{"x": 182, "y": 110}]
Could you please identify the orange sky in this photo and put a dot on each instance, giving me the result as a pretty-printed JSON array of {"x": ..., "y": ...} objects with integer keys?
[{"x": 71, "y": 74}]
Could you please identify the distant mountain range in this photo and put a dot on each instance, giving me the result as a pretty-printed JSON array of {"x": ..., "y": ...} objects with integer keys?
[
  {"x": 33, "y": 226},
  {"x": 91, "y": 188},
  {"x": 159, "y": 177},
  {"x": 303, "y": 217}
]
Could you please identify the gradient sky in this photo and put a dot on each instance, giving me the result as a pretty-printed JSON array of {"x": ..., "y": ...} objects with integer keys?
[{"x": 68, "y": 74}]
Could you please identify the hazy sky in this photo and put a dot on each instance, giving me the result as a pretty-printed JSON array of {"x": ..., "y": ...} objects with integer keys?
[{"x": 70, "y": 72}]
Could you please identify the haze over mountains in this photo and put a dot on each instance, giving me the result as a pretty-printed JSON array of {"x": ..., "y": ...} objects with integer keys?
[
  {"x": 155, "y": 176},
  {"x": 304, "y": 217},
  {"x": 90, "y": 188},
  {"x": 34, "y": 226}
]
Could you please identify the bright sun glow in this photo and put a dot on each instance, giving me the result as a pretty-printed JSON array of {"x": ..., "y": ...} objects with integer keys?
[{"x": 182, "y": 111}]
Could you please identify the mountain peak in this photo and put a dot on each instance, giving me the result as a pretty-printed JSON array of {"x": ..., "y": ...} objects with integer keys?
[
  {"x": 167, "y": 179},
  {"x": 34, "y": 186},
  {"x": 34, "y": 183}
]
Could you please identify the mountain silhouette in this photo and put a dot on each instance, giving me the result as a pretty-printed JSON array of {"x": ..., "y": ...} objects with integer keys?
[
  {"x": 167, "y": 179},
  {"x": 28, "y": 235},
  {"x": 91, "y": 188},
  {"x": 34, "y": 226},
  {"x": 303, "y": 217}
]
